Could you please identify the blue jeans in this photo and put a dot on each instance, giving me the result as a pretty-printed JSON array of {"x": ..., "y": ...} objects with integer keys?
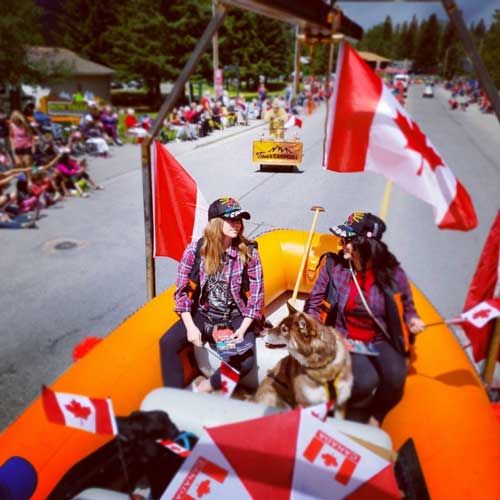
[{"x": 378, "y": 383}]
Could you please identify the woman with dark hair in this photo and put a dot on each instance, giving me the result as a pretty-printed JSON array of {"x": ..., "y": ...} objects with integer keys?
[
  {"x": 358, "y": 291},
  {"x": 219, "y": 292}
]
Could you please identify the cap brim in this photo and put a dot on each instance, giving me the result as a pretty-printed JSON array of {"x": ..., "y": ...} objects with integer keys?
[
  {"x": 342, "y": 231},
  {"x": 238, "y": 215}
]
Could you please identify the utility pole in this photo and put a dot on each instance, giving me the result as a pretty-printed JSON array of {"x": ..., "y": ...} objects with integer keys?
[
  {"x": 215, "y": 44},
  {"x": 296, "y": 64}
]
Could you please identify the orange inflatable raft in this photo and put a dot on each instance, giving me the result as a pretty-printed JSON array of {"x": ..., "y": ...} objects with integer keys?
[{"x": 445, "y": 409}]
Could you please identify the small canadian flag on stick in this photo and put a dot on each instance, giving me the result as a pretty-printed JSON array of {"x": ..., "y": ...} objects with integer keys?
[
  {"x": 229, "y": 379},
  {"x": 482, "y": 313},
  {"x": 81, "y": 412}
]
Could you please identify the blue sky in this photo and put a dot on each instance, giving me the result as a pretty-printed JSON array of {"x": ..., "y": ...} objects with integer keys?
[{"x": 369, "y": 13}]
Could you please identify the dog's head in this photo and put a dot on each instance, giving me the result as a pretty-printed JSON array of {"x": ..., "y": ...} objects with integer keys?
[{"x": 308, "y": 341}]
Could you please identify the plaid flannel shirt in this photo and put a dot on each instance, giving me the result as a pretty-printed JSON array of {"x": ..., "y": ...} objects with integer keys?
[
  {"x": 375, "y": 298},
  {"x": 255, "y": 303}
]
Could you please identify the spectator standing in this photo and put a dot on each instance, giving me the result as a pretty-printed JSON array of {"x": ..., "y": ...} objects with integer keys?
[{"x": 21, "y": 139}]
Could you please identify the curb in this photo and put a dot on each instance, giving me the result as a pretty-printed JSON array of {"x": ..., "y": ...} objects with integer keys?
[{"x": 242, "y": 131}]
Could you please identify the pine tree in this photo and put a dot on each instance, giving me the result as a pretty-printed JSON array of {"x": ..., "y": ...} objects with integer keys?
[
  {"x": 427, "y": 52},
  {"x": 83, "y": 24},
  {"x": 490, "y": 52}
]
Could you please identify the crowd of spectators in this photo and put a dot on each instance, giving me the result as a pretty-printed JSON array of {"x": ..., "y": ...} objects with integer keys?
[
  {"x": 467, "y": 92},
  {"x": 38, "y": 167},
  {"x": 39, "y": 163}
]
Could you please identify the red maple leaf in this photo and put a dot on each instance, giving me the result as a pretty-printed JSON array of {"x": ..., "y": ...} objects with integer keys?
[
  {"x": 417, "y": 141},
  {"x": 203, "y": 488},
  {"x": 329, "y": 460},
  {"x": 223, "y": 387},
  {"x": 482, "y": 313},
  {"x": 78, "y": 410}
]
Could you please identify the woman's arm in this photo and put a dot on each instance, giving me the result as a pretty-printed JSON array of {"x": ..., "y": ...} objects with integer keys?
[
  {"x": 255, "y": 303},
  {"x": 318, "y": 292},
  {"x": 183, "y": 303},
  {"x": 415, "y": 324}
]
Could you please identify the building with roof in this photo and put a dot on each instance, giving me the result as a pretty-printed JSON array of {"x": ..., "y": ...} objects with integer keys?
[
  {"x": 374, "y": 60},
  {"x": 85, "y": 75}
]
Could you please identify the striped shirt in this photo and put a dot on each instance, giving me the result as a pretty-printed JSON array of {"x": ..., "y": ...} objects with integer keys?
[{"x": 255, "y": 303}]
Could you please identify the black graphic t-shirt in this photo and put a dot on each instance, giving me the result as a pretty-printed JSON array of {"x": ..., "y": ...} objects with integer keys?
[{"x": 220, "y": 299}]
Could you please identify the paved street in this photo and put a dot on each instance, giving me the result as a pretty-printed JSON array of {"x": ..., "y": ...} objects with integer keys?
[{"x": 51, "y": 298}]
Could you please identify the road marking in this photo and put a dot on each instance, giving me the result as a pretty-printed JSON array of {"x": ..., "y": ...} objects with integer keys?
[{"x": 384, "y": 206}]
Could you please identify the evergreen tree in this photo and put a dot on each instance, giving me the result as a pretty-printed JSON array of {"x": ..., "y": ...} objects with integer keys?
[
  {"x": 427, "y": 52},
  {"x": 83, "y": 24},
  {"x": 140, "y": 45},
  {"x": 490, "y": 52},
  {"x": 410, "y": 40},
  {"x": 400, "y": 50},
  {"x": 18, "y": 67}
]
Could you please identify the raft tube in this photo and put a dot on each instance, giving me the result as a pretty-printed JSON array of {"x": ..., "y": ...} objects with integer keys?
[{"x": 445, "y": 409}]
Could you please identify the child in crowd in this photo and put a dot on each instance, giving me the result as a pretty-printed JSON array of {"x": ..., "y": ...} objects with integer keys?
[{"x": 73, "y": 171}]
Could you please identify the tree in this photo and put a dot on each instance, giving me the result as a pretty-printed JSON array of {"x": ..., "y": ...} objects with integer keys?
[
  {"x": 83, "y": 26},
  {"x": 490, "y": 52},
  {"x": 427, "y": 52},
  {"x": 451, "y": 53},
  {"x": 15, "y": 41},
  {"x": 139, "y": 45},
  {"x": 409, "y": 41}
]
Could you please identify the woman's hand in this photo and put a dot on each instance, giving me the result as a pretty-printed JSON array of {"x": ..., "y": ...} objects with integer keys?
[
  {"x": 240, "y": 332},
  {"x": 238, "y": 335},
  {"x": 194, "y": 335},
  {"x": 416, "y": 325}
]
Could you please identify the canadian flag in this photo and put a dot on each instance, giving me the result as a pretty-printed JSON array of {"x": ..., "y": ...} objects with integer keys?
[
  {"x": 482, "y": 313},
  {"x": 179, "y": 208},
  {"x": 229, "y": 379},
  {"x": 81, "y": 412},
  {"x": 485, "y": 286},
  {"x": 293, "y": 121},
  {"x": 369, "y": 130}
]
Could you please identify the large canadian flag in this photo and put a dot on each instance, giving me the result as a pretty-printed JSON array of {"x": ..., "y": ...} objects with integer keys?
[
  {"x": 370, "y": 131},
  {"x": 485, "y": 286},
  {"x": 81, "y": 412},
  {"x": 179, "y": 208}
]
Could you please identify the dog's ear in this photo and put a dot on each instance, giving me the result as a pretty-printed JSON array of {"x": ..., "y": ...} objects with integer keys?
[
  {"x": 304, "y": 327},
  {"x": 291, "y": 309}
]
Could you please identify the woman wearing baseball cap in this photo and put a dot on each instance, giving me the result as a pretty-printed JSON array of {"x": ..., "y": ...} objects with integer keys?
[
  {"x": 219, "y": 296},
  {"x": 357, "y": 292}
]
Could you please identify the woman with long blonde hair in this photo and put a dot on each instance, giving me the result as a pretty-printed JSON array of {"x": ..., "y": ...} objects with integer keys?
[
  {"x": 219, "y": 297},
  {"x": 21, "y": 140}
]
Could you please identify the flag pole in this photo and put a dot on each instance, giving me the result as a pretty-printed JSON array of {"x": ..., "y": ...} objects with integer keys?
[
  {"x": 489, "y": 367},
  {"x": 317, "y": 210}
]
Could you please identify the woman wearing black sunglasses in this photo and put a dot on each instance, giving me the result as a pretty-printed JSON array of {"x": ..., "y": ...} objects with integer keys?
[{"x": 360, "y": 291}]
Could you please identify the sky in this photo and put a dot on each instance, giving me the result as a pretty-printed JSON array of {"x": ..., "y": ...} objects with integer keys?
[{"x": 369, "y": 13}]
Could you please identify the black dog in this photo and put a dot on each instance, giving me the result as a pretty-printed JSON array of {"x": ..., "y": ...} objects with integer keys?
[{"x": 134, "y": 449}]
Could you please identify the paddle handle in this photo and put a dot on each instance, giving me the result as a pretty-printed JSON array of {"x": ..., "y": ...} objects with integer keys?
[
  {"x": 492, "y": 355},
  {"x": 317, "y": 210}
]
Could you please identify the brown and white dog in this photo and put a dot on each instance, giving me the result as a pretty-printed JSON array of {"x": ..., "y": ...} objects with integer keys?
[{"x": 317, "y": 369}]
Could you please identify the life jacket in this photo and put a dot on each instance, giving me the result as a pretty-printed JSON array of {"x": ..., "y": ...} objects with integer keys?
[
  {"x": 193, "y": 287},
  {"x": 329, "y": 305}
]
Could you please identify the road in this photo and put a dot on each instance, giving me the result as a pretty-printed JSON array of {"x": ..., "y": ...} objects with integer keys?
[{"x": 51, "y": 299}]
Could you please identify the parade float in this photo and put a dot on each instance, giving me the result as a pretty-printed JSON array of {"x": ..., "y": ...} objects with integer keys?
[{"x": 445, "y": 410}]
